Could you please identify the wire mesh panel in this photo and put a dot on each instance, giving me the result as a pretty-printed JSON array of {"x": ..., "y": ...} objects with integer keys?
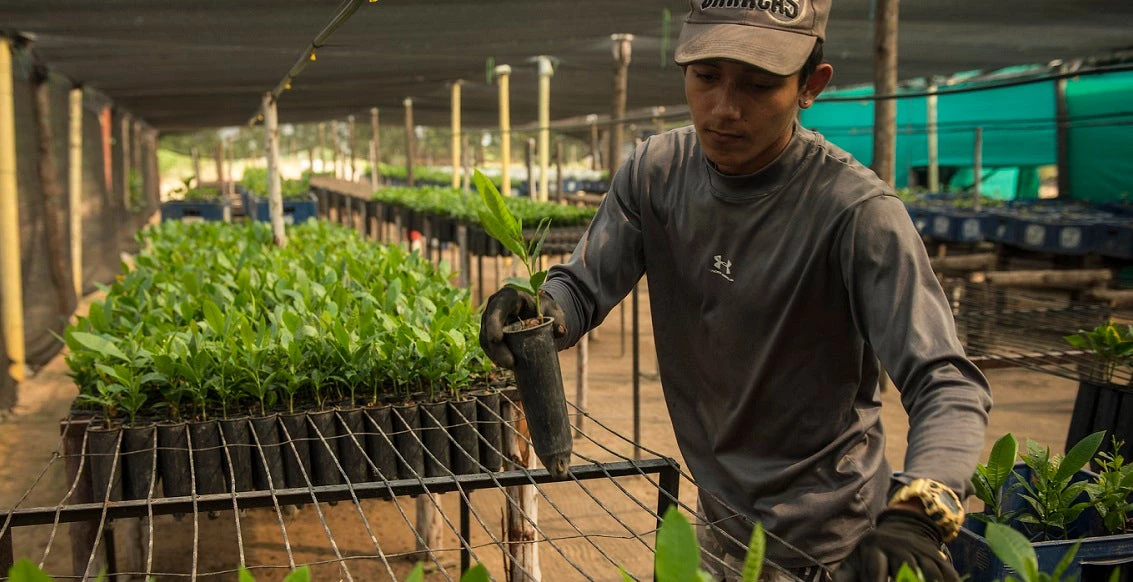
[{"x": 602, "y": 517}]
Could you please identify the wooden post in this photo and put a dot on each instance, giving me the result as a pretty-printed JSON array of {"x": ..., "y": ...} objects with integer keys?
[
  {"x": 375, "y": 158},
  {"x": 546, "y": 70},
  {"x": 503, "y": 74},
  {"x": 322, "y": 147},
  {"x": 522, "y": 559},
  {"x": 977, "y": 168},
  {"x": 933, "y": 140},
  {"x": 623, "y": 44},
  {"x": 11, "y": 278},
  {"x": 595, "y": 149},
  {"x": 428, "y": 526},
  {"x": 528, "y": 154},
  {"x": 221, "y": 181},
  {"x": 409, "y": 142},
  {"x": 885, "y": 83},
  {"x": 75, "y": 190},
  {"x": 275, "y": 199},
  {"x": 196, "y": 154},
  {"x": 51, "y": 192},
  {"x": 350, "y": 144},
  {"x": 455, "y": 135},
  {"x": 231, "y": 165},
  {"x": 124, "y": 129},
  {"x": 311, "y": 159},
  {"x": 559, "y": 169},
  {"x": 581, "y": 387}
]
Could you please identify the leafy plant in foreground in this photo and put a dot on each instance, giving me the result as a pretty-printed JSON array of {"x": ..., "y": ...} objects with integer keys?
[
  {"x": 988, "y": 481},
  {"x": 1017, "y": 553},
  {"x": 1111, "y": 490},
  {"x": 1112, "y": 343},
  {"x": 1052, "y": 493}
]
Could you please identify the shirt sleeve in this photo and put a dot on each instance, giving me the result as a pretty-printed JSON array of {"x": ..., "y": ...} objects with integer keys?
[
  {"x": 902, "y": 312},
  {"x": 607, "y": 262}
]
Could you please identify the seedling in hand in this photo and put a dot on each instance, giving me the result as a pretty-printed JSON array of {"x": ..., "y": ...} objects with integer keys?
[{"x": 503, "y": 226}]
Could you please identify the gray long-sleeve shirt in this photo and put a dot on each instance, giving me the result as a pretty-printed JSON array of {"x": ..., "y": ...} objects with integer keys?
[{"x": 773, "y": 297}]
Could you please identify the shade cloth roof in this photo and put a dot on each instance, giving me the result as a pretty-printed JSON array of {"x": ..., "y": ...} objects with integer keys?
[{"x": 187, "y": 64}]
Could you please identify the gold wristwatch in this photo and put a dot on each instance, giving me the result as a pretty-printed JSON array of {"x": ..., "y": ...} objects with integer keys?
[{"x": 940, "y": 503}]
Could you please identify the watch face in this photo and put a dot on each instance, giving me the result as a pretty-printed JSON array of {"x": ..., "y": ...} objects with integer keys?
[{"x": 948, "y": 502}]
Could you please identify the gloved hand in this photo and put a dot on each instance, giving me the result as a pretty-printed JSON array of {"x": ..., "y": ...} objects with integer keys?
[
  {"x": 508, "y": 306},
  {"x": 901, "y": 536}
]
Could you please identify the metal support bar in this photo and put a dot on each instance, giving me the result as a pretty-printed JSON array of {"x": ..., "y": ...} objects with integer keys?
[
  {"x": 636, "y": 381},
  {"x": 7, "y": 558},
  {"x": 323, "y": 493},
  {"x": 669, "y": 484},
  {"x": 465, "y": 534}
]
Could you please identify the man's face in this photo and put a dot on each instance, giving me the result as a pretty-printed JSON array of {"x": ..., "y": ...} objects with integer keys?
[{"x": 743, "y": 115}]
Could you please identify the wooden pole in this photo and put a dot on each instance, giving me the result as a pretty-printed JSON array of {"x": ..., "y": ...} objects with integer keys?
[
  {"x": 221, "y": 182},
  {"x": 623, "y": 44},
  {"x": 51, "y": 191},
  {"x": 546, "y": 70},
  {"x": 1049, "y": 278},
  {"x": 350, "y": 145},
  {"x": 528, "y": 154},
  {"x": 311, "y": 160},
  {"x": 503, "y": 74},
  {"x": 231, "y": 165},
  {"x": 582, "y": 383},
  {"x": 933, "y": 140},
  {"x": 196, "y": 154},
  {"x": 75, "y": 190},
  {"x": 559, "y": 169},
  {"x": 595, "y": 149},
  {"x": 522, "y": 512},
  {"x": 11, "y": 277},
  {"x": 977, "y": 168},
  {"x": 409, "y": 142},
  {"x": 375, "y": 157},
  {"x": 455, "y": 135},
  {"x": 885, "y": 83},
  {"x": 322, "y": 147},
  {"x": 428, "y": 526},
  {"x": 275, "y": 198}
]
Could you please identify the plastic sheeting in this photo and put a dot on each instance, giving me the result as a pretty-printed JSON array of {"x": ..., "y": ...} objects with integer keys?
[{"x": 108, "y": 226}]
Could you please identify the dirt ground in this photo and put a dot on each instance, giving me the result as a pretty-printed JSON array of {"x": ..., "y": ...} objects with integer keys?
[{"x": 594, "y": 522}]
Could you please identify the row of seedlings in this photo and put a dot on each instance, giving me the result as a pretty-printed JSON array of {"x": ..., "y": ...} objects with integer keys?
[{"x": 230, "y": 364}]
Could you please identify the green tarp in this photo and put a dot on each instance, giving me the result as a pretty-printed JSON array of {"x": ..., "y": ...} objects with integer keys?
[{"x": 1019, "y": 134}]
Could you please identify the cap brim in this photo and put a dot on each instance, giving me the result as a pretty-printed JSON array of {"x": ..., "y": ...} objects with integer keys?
[{"x": 775, "y": 51}]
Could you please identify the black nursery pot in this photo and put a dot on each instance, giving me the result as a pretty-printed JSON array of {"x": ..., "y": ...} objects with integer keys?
[
  {"x": 352, "y": 444},
  {"x": 296, "y": 454},
  {"x": 407, "y": 440},
  {"x": 267, "y": 458},
  {"x": 323, "y": 451},
  {"x": 465, "y": 453},
  {"x": 380, "y": 441},
  {"x": 237, "y": 443},
  {"x": 173, "y": 459},
  {"x": 434, "y": 424},
  {"x": 490, "y": 426},
  {"x": 102, "y": 454},
  {"x": 208, "y": 457},
  {"x": 540, "y": 384},
  {"x": 138, "y": 455}
]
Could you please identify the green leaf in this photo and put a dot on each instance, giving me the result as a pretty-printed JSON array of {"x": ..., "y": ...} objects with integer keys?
[
  {"x": 25, "y": 571},
  {"x": 1012, "y": 547},
  {"x": 1079, "y": 455},
  {"x": 678, "y": 553},
  {"x": 417, "y": 574},
  {"x": 477, "y": 573},
  {"x": 907, "y": 574},
  {"x": 1001, "y": 461},
  {"x": 756, "y": 547},
  {"x": 300, "y": 574},
  {"x": 1068, "y": 560},
  {"x": 214, "y": 317},
  {"x": 246, "y": 576},
  {"x": 102, "y": 345}
]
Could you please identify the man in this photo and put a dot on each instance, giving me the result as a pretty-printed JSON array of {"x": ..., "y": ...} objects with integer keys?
[{"x": 780, "y": 272}]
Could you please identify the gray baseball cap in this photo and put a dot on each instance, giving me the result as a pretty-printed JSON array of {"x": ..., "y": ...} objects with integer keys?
[{"x": 774, "y": 35}]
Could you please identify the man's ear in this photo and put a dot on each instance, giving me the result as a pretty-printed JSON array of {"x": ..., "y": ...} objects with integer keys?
[{"x": 816, "y": 83}]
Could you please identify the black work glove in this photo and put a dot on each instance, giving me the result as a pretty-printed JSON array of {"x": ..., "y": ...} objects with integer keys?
[
  {"x": 901, "y": 536},
  {"x": 508, "y": 306}
]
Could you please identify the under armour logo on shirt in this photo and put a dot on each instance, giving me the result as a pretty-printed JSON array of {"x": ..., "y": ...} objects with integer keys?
[{"x": 722, "y": 267}]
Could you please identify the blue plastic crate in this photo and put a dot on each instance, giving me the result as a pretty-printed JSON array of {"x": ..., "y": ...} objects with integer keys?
[
  {"x": 193, "y": 211},
  {"x": 921, "y": 218},
  {"x": 973, "y": 558},
  {"x": 956, "y": 225},
  {"x": 294, "y": 211}
]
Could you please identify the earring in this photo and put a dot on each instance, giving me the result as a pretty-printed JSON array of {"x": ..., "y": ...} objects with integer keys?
[{"x": 804, "y": 102}]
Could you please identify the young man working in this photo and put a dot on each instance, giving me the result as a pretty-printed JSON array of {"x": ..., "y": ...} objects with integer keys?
[{"x": 782, "y": 276}]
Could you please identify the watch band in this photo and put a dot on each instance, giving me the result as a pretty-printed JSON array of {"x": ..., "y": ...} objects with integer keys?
[{"x": 940, "y": 503}]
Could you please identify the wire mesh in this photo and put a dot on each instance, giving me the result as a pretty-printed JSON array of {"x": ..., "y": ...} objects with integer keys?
[{"x": 603, "y": 517}]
